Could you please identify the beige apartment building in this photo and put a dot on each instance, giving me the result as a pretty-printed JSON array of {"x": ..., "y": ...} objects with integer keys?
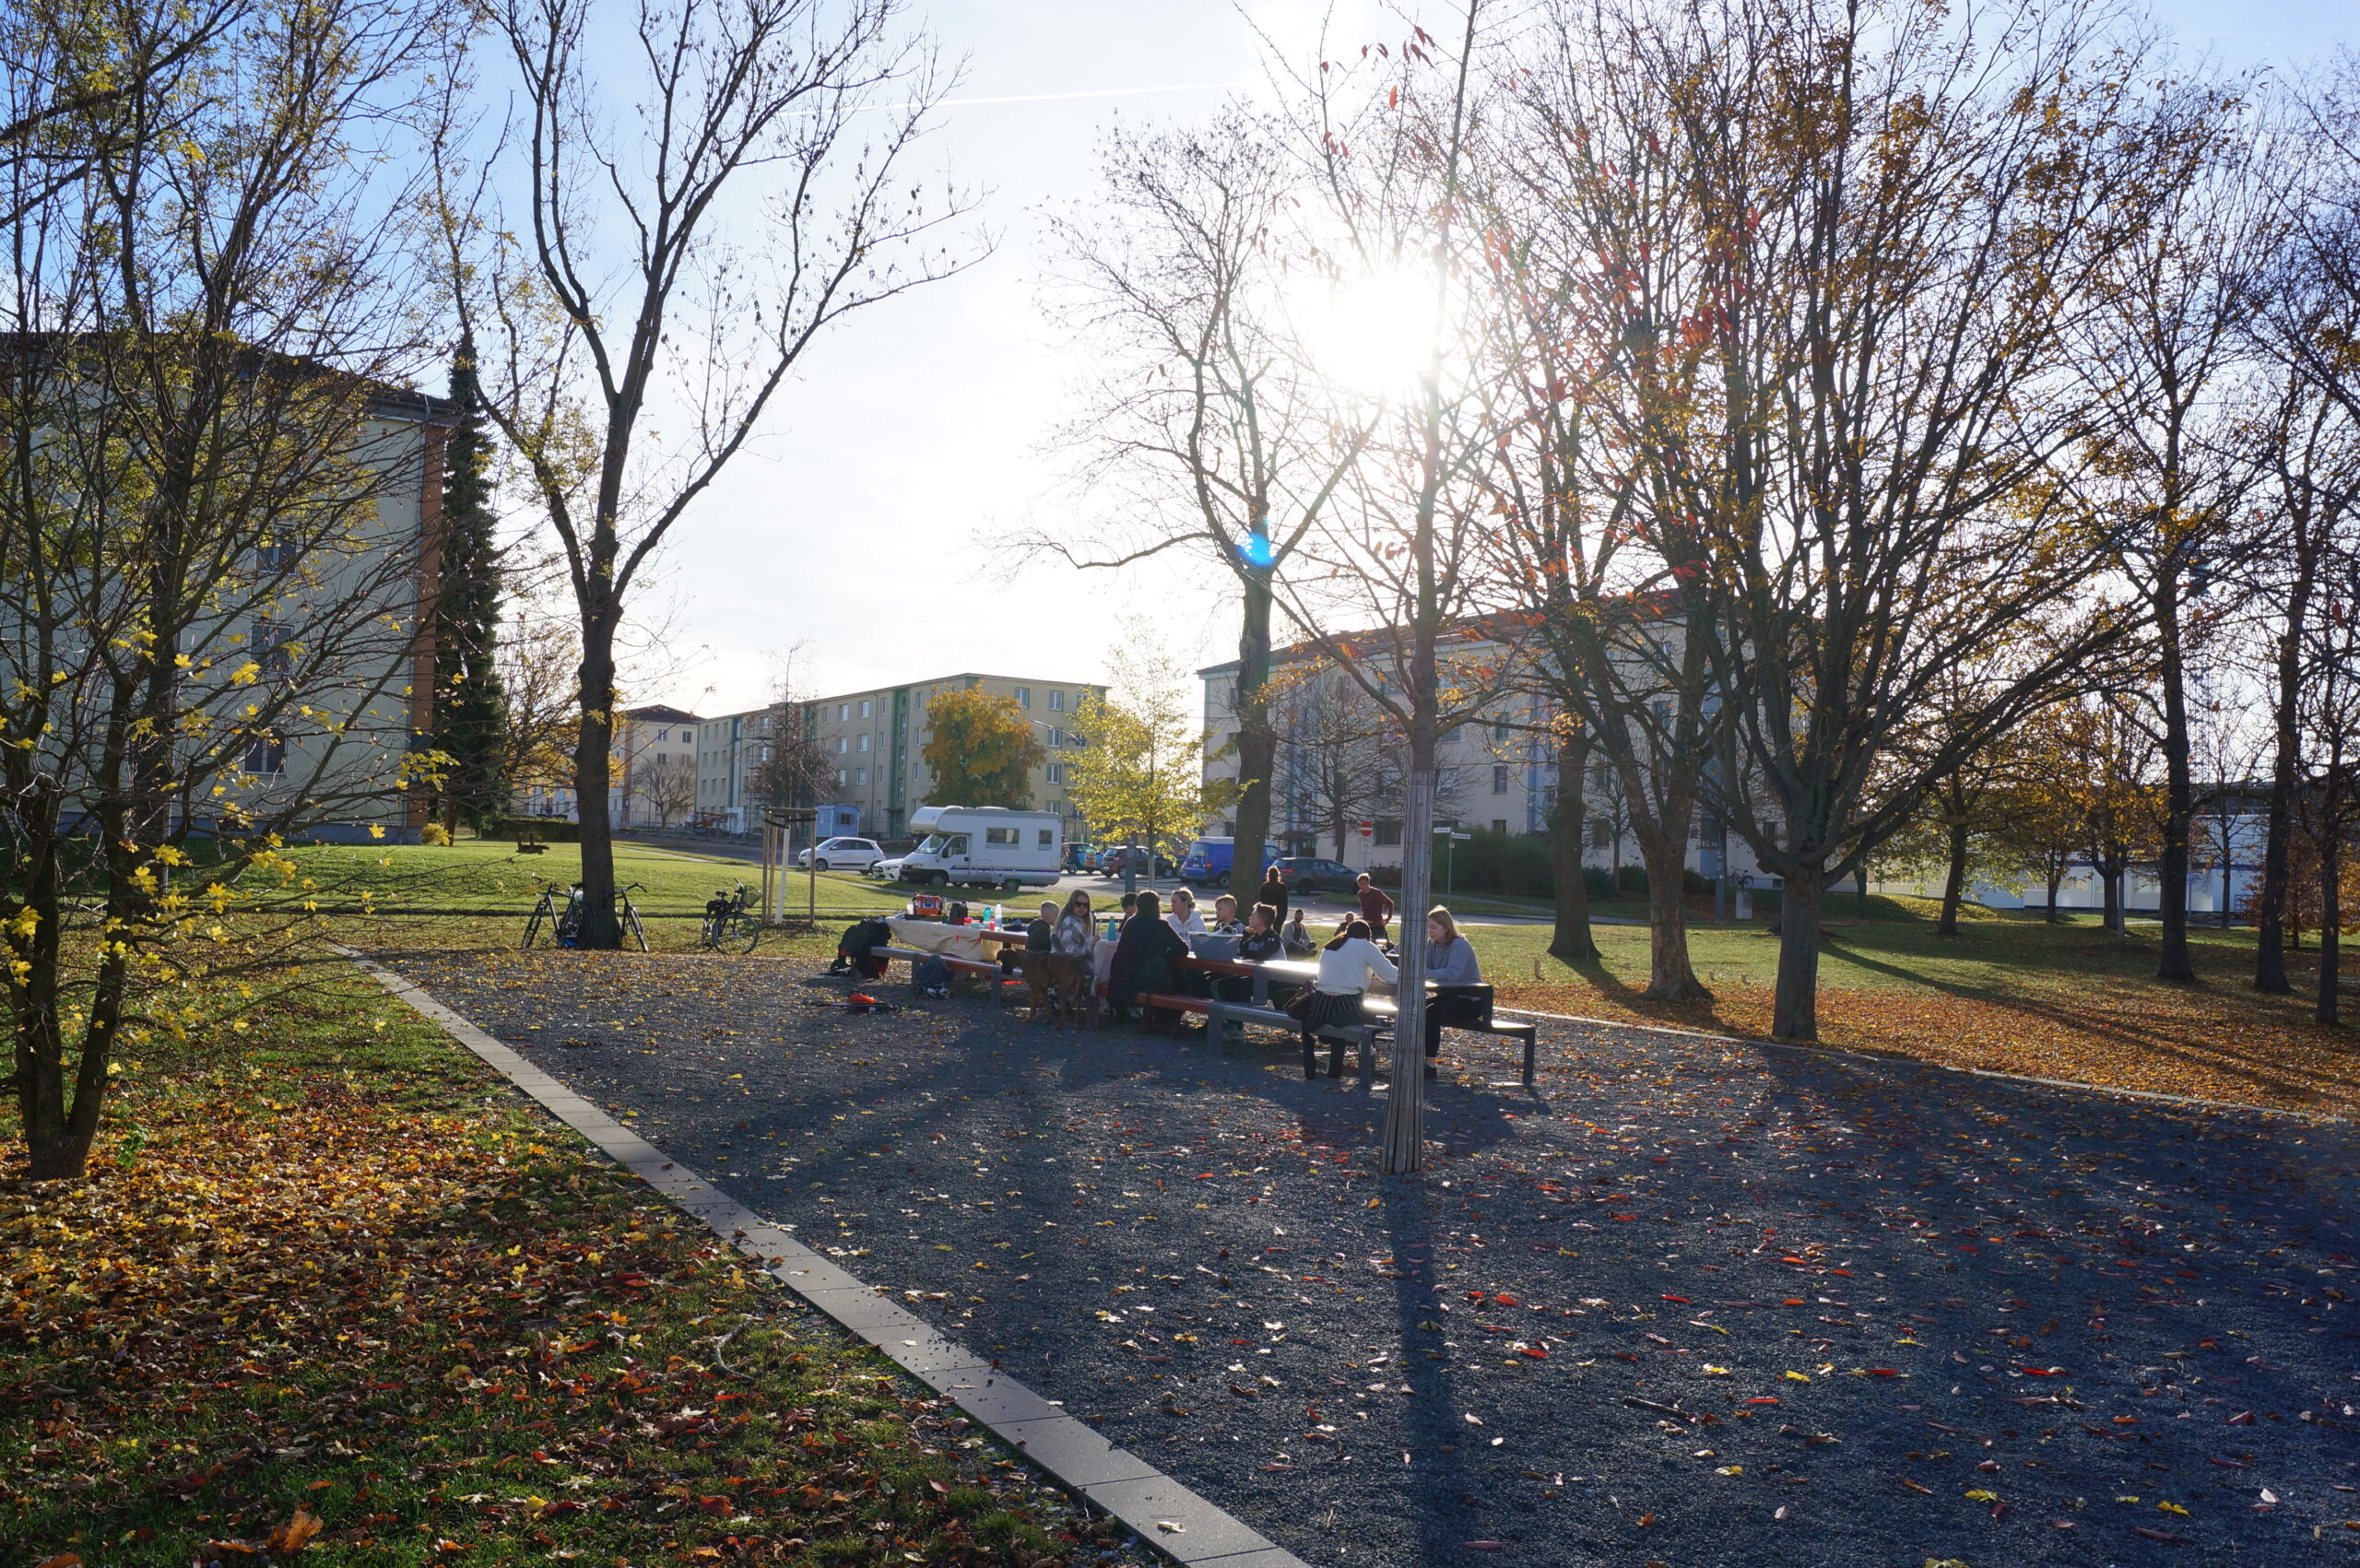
[{"x": 875, "y": 742}]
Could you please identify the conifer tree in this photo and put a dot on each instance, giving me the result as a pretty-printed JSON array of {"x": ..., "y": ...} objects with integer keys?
[{"x": 470, "y": 705}]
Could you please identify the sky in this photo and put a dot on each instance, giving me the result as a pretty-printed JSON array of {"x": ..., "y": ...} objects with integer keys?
[{"x": 869, "y": 533}]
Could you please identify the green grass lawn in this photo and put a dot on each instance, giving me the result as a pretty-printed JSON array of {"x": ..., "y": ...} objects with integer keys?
[{"x": 492, "y": 876}]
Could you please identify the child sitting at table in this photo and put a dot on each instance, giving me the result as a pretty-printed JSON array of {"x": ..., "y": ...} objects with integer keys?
[{"x": 1225, "y": 921}]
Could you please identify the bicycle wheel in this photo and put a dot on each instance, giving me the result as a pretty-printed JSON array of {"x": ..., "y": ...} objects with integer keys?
[
  {"x": 744, "y": 932},
  {"x": 533, "y": 926},
  {"x": 630, "y": 921}
]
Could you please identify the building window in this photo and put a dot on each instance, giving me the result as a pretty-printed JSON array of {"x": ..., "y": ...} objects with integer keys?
[
  {"x": 1499, "y": 780},
  {"x": 1056, "y": 773},
  {"x": 1388, "y": 834},
  {"x": 1023, "y": 696},
  {"x": 839, "y": 778},
  {"x": 270, "y": 648},
  {"x": 1499, "y": 825},
  {"x": 863, "y": 707},
  {"x": 1057, "y": 701},
  {"x": 844, "y": 712},
  {"x": 766, "y": 754},
  {"x": 864, "y": 740},
  {"x": 860, "y": 776},
  {"x": 1601, "y": 832},
  {"x": 267, "y": 754}
]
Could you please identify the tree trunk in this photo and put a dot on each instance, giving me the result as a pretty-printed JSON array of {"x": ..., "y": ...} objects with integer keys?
[
  {"x": 592, "y": 754},
  {"x": 2330, "y": 909},
  {"x": 2179, "y": 791},
  {"x": 2056, "y": 876},
  {"x": 2269, "y": 917},
  {"x": 1571, "y": 939},
  {"x": 2111, "y": 881},
  {"x": 1670, "y": 978},
  {"x": 1795, "y": 1014},
  {"x": 1256, "y": 745},
  {"x": 1955, "y": 884}
]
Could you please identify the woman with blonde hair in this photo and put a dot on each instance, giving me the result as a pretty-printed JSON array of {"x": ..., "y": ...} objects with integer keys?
[{"x": 1460, "y": 996}]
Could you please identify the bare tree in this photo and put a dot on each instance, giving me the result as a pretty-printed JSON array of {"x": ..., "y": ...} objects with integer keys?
[
  {"x": 1390, "y": 143},
  {"x": 211, "y": 604},
  {"x": 675, "y": 260},
  {"x": 1328, "y": 767},
  {"x": 2168, "y": 364},
  {"x": 669, "y": 784},
  {"x": 1856, "y": 440},
  {"x": 1207, "y": 423}
]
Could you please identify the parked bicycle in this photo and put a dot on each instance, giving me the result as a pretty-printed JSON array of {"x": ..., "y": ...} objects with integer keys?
[
  {"x": 561, "y": 916},
  {"x": 730, "y": 925}
]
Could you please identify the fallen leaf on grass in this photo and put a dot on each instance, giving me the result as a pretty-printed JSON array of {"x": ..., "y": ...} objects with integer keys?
[{"x": 295, "y": 1534}]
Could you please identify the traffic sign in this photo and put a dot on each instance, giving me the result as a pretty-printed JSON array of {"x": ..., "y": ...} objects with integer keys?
[{"x": 1368, "y": 830}]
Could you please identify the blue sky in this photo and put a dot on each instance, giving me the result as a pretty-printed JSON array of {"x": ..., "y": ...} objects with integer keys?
[{"x": 869, "y": 524}]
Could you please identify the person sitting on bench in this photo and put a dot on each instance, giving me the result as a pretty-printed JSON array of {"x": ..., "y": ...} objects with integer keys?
[
  {"x": 1347, "y": 965},
  {"x": 1142, "y": 965},
  {"x": 1450, "y": 965}
]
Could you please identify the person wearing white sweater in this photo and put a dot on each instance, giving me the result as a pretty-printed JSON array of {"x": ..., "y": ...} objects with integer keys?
[{"x": 1347, "y": 965}]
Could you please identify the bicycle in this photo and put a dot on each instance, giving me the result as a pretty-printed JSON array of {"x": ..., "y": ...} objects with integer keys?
[
  {"x": 729, "y": 927},
  {"x": 564, "y": 921}
]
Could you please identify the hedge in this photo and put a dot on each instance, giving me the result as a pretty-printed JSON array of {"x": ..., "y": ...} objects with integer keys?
[{"x": 545, "y": 829}]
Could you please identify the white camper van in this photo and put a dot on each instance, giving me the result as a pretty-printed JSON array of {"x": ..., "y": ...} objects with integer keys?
[{"x": 984, "y": 846}]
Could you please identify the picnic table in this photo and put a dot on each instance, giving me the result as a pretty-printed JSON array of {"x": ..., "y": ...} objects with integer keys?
[{"x": 974, "y": 951}]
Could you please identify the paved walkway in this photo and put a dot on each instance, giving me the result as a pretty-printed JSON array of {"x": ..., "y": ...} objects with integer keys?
[{"x": 1693, "y": 1301}]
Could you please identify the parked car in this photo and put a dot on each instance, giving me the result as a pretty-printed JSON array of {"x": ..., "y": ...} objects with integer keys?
[
  {"x": 842, "y": 855},
  {"x": 885, "y": 870},
  {"x": 1112, "y": 862},
  {"x": 1310, "y": 874}
]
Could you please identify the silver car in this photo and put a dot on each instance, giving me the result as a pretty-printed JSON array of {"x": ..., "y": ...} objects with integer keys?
[{"x": 842, "y": 855}]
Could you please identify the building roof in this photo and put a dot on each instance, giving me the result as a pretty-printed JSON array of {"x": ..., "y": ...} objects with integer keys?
[
  {"x": 657, "y": 714},
  {"x": 947, "y": 679}
]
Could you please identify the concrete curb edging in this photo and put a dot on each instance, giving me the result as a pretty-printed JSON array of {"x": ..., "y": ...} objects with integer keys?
[
  {"x": 2158, "y": 1098},
  {"x": 1162, "y": 1512}
]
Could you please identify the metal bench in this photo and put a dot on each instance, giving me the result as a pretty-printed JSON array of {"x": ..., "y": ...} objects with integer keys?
[
  {"x": 1220, "y": 1015},
  {"x": 1486, "y": 1024}
]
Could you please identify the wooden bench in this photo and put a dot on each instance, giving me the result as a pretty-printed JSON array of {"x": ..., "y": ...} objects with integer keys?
[{"x": 984, "y": 969}]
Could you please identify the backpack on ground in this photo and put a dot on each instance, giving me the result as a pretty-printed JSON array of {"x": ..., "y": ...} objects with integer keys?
[{"x": 932, "y": 976}]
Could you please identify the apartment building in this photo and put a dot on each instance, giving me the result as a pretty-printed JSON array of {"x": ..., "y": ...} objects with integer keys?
[
  {"x": 731, "y": 749},
  {"x": 1335, "y": 784},
  {"x": 875, "y": 742}
]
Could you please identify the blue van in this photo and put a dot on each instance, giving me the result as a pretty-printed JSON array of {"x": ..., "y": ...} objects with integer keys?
[{"x": 1208, "y": 861}]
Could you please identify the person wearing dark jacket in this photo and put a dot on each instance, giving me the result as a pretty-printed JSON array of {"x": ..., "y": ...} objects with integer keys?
[
  {"x": 1143, "y": 956},
  {"x": 1274, "y": 893}
]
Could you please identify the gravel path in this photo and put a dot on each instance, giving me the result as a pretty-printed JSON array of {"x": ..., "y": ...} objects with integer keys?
[{"x": 1692, "y": 1302}]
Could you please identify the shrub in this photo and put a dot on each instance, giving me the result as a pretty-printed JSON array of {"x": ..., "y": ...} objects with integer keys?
[
  {"x": 1599, "y": 880},
  {"x": 436, "y": 834},
  {"x": 1634, "y": 882}
]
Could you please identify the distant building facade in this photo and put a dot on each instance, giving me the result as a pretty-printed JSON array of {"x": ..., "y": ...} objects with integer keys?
[{"x": 874, "y": 743}]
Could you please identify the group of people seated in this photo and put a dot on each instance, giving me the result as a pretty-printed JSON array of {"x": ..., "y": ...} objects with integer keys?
[{"x": 1149, "y": 941}]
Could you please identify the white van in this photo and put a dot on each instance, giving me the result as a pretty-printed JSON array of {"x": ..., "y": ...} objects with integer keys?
[{"x": 984, "y": 846}]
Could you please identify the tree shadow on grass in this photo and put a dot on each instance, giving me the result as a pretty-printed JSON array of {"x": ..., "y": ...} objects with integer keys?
[{"x": 2081, "y": 1015}]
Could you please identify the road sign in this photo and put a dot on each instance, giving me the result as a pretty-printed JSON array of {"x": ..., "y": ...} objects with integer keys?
[{"x": 1368, "y": 830}]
